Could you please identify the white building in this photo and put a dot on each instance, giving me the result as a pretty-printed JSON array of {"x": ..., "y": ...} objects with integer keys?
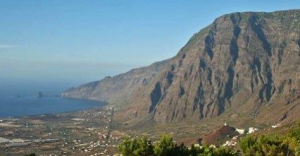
[
  {"x": 275, "y": 126},
  {"x": 252, "y": 130},
  {"x": 240, "y": 131}
]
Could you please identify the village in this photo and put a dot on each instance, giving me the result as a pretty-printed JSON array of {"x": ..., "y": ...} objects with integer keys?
[
  {"x": 79, "y": 133},
  {"x": 89, "y": 132}
]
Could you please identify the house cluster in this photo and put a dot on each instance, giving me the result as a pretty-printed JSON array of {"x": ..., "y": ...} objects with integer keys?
[
  {"x": 232, "y": 142},
  {"x": 23, "y": 142},
  {"x": 246, "y": 131},
  {"x": 89, "y": 147}
]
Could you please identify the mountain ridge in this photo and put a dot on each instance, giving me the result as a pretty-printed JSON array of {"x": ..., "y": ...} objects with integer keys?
[{"x": 242, "y": 63}]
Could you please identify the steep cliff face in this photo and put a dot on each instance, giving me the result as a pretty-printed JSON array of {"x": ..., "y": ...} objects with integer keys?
[
  {"x": 116, "y": 89},
  {"x": 242, "y": 62}
]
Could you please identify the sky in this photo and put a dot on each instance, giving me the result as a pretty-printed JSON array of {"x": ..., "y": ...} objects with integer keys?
[{"x": 70, "y": 42}]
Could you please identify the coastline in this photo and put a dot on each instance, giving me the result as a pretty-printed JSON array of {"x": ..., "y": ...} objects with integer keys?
[
  {"x": 20, "y": 107},
  {"x": 60, "y": 133}
]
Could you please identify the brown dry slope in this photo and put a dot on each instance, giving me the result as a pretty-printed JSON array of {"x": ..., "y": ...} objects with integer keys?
[{"x": 241, "y": 64}]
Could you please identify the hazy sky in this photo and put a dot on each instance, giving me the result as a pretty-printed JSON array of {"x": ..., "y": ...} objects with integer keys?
[{"x": 84, "y": 40}]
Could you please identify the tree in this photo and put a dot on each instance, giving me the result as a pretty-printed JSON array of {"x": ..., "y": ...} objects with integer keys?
[
  {"x": 145, "y": 147},
  {"x": 128, "y": 147},
  {"x": 164, "y": 146},
  {"x": 270, "y": 145},
  {"x": 136, "y": 147}
]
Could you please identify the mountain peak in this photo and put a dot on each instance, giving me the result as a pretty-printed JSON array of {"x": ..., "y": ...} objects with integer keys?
[{"x": 242, "y": 64}]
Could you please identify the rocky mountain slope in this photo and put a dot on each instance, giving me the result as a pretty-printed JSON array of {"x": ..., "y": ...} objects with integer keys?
[{"x": 241, "y": 64}]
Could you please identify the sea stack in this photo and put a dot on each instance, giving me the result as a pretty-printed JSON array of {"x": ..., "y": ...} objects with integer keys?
[{"x": 39, "y": 95}]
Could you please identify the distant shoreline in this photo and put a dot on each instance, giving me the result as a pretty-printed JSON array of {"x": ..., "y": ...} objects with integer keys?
[{"x": 27, "y": 107}]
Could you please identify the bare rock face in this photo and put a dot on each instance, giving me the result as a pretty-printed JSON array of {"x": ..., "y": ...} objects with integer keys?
[
  {"x": 115, "y": 89},
  {"x": 242, "y": 62}
]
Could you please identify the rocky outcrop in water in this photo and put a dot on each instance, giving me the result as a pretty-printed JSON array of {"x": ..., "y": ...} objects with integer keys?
[{"x": 39, "y": 95}]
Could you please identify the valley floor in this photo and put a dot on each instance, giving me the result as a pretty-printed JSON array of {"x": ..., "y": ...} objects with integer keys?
[{"x": 92, "y": 132}]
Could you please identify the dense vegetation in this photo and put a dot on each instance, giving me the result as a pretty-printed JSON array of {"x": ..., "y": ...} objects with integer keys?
[
  {"x": 166, "y": 147},
  {"x": 261, "y": 145},
  {"x": 270, "y": 145}
]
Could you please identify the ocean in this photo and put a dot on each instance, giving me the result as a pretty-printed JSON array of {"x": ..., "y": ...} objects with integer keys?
[
  {"x": 26, "y": 104},
  {"x": 15, "y": 107}
]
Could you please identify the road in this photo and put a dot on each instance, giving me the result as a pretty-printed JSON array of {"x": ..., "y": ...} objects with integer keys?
[{"x": 110, "y": 124}]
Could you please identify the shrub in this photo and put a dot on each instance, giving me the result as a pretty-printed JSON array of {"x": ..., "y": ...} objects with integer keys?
[
  {"x": 166, "y": 147},
  {"x": 136, "y": 147},
  {"x": 270, "y": 145},
  {"x": 263, "y": 145}
]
